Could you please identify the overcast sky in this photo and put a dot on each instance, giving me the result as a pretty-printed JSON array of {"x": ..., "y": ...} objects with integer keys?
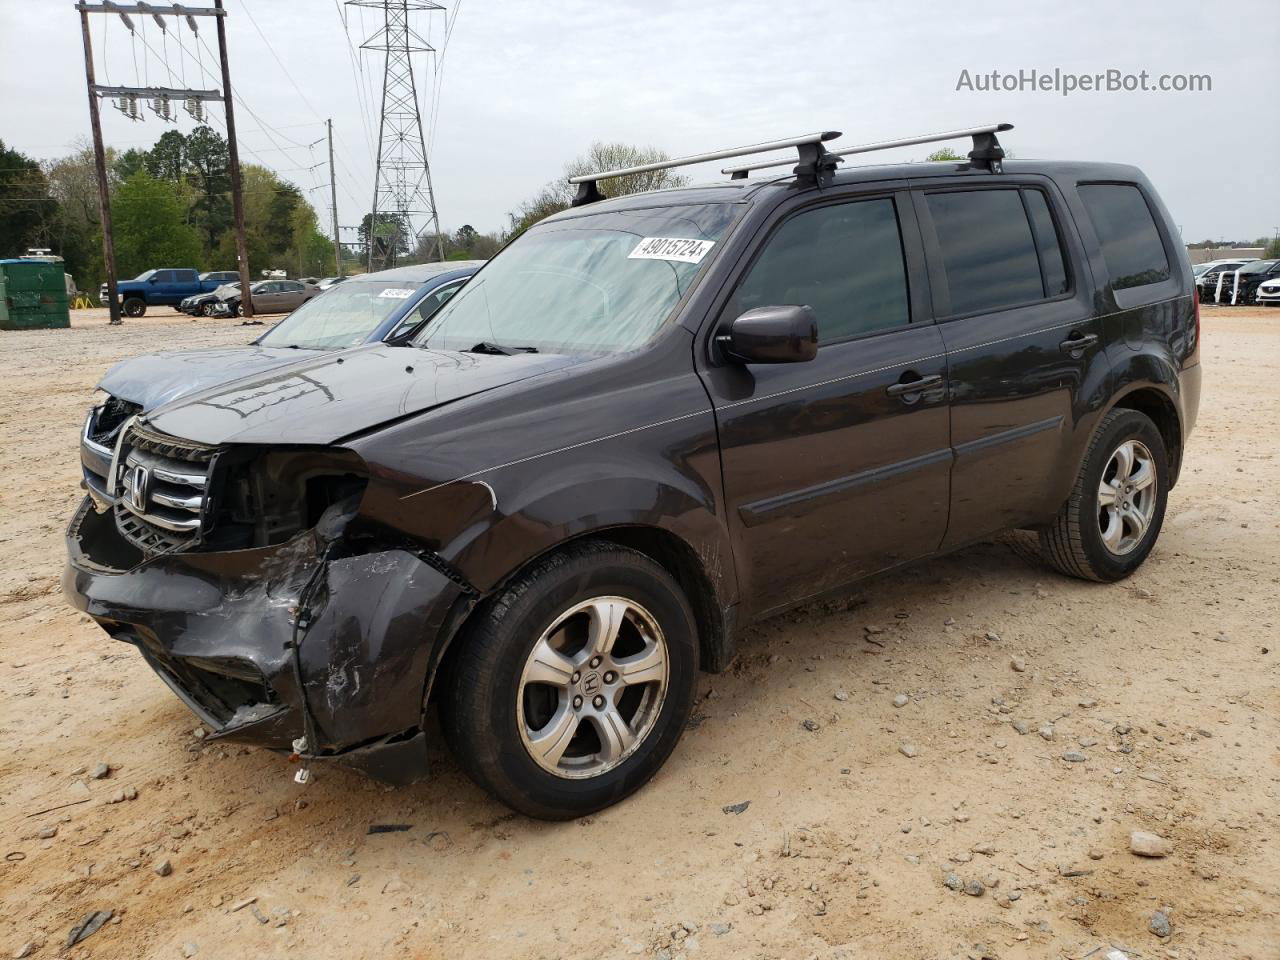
[{"x": 524, "y": 87}]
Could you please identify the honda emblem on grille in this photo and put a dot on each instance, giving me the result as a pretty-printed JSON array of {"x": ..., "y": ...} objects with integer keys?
[{"x": 139, "y": 482}]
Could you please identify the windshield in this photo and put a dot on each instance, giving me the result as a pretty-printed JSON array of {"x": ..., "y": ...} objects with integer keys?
[
  {"x": 1258, "y": 266},
  {"x": 594, "y": 284},
  {"x": 344, "y": 316},
  {"x": 145, "y": 274}
]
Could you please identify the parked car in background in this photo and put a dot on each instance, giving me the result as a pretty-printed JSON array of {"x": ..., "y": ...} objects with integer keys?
[
  {"x": 1242, "y": 287},
  {"x": 371, "y": 308},
  {"x": 649, "y": 422},
  {"x": 1269, "y": 293},
  {"x": 164, "y": 287},
  {"x": 1207, "y": 280},
  {"x": 201, "y": 305},
  {"x": 269, "y": 296}
]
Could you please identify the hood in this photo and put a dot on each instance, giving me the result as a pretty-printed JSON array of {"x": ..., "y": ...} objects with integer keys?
[
  {"x": 321, "y": 400},
  {"x": 157, "y": 378}
]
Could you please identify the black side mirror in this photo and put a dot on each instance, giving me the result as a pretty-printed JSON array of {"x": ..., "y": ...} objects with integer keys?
[
  {"x": 772, "y": 335},
  {"x": 153, "y": 280}
]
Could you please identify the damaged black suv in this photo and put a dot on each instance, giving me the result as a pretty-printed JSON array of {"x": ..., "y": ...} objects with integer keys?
[{"x": 646, "y": 422}]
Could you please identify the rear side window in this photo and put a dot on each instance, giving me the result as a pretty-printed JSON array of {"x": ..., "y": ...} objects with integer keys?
[
  {"x": 184, "y": 276},
  {"x": 1131, "y": 245},
  {"x": 844, "y": 260},
  {"x": 988, "y": 250},
  {"x": 1052, "y": 267}
]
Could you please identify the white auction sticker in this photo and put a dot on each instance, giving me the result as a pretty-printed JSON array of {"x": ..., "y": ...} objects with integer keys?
[
  {"x": 671, "y": 248},
  {"x": 396, "y": 293}
]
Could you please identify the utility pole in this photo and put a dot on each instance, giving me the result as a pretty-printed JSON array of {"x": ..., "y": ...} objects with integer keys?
[
  {"x": 237, "y": 196},
  {"x": 100, "y": 164},
  {"x": 333, "y": 205}
]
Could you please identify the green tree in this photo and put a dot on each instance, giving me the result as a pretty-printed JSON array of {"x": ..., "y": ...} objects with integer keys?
[
  {"x": 390, "y": 234},
  {"x": 944, "y": 153},
  {"x": 1273, "y": 249},
  {"x": 167, "y": 160},
  {"x": 558, "y": 194},
  {"x": 208, "y": 169},
  {"x": 126, "y": 164},
  {"x": 25, "y": 205},
  {"x": 150, "y": 227}
]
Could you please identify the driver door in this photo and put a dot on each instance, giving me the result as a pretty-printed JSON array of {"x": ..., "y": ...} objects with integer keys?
[{"x": 836, "y": 467}]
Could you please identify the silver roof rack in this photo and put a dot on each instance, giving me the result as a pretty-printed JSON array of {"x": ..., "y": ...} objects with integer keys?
[
  {"x": 986, "y": 148},
  {"x": 809, "y": 146}
]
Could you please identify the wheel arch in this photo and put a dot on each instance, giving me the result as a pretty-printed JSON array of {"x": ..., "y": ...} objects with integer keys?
[
  {"x": 714, "y": 623},
  {"x": 1156, "y": 402}
]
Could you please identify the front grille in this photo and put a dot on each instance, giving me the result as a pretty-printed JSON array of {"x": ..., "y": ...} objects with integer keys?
[{"x": 162, "y": 484}]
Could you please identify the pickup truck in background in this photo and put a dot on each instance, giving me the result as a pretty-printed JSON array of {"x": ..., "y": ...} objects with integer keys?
[{"x": 165, "y": 287}]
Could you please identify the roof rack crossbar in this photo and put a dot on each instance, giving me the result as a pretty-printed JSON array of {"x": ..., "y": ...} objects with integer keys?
[
  {"x": 986, "y": 148},
  {"x": 809, "y": 146}
]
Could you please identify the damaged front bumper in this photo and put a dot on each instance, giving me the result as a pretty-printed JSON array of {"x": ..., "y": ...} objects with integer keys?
[{"x": 225, "y": 632}]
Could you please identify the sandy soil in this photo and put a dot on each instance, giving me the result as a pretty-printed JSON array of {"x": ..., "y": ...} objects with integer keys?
[{"x": 1168, "y": 684}]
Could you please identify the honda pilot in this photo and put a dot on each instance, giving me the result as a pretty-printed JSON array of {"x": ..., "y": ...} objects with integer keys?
[{"x": 649, "y": 421}]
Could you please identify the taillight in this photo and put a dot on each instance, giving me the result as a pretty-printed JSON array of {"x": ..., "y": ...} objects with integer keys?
[{"x": 1195, "y": 350}]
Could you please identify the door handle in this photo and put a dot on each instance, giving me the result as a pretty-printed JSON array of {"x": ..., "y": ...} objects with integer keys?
[
  {"x": 1077, "y": 342},
  {"x": 913, "y": 386}
]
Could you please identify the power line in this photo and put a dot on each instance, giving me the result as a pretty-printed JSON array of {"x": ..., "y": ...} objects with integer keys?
[{"x": 245, "y": 7}]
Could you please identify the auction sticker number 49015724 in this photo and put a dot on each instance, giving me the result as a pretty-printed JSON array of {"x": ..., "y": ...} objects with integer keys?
[{"x": 671, "y": 248}]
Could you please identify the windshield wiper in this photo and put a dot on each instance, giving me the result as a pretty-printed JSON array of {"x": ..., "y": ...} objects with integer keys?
[{"x": 485, "y": 346}]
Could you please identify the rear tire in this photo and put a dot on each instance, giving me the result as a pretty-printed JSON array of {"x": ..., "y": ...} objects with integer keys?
[
  {"x": 1111, "y": 521},
  {"x": 573, "y": 684},
  {"x": 135, "y": 307}
]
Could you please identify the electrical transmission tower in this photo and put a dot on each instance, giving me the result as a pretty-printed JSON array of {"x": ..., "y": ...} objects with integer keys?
[{"x": 404, "y": 204}]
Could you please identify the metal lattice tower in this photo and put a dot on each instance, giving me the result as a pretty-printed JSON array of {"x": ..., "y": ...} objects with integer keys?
[{"x": 402, "y": 181}]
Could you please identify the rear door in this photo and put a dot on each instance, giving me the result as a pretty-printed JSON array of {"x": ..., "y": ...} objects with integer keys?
[
  {"x": 291, "y": 295},
  {"x": 836, "y": 467},
  {"x": 1025, "y": 350}
]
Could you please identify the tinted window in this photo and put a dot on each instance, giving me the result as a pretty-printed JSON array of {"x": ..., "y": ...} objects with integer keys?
[
  {"x": 1052, "y": 268},
  {"x": 291, "y": 287},
  {"x": 1126, "y": 230},
  {"x": 184, "y": 276},
  {"x": 988, "y": 252},
  {"x": 844, "y": 260}
]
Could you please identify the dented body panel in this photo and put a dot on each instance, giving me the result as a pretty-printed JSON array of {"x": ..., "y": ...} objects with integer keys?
[{"x": 220, "y": 630}]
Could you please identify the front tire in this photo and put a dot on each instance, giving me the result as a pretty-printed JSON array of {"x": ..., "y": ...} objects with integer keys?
[
  {"x": 573, "y": 685},
  {"x": 135, "y": 307},
  {"x": 1111, "y": 521}
]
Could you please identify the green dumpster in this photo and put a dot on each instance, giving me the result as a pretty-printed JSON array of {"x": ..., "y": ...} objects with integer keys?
[{"x": 33, "y": 294}]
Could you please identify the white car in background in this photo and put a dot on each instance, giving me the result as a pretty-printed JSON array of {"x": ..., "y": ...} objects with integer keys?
[{"x": 1269, "y": 293}]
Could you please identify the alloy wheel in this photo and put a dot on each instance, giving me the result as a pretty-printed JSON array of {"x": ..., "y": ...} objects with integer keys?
[
  {"x": 1127, "y": 497},
  {"x": 592, "y": 687}
]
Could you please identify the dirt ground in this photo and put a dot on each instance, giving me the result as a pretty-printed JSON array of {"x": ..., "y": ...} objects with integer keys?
[{"x": 1168, "y": 684}]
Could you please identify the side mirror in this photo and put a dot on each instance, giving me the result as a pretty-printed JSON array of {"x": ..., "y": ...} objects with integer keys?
[
  {"x": 153, "y": 280},
  {"x": 772, "y": 335}
]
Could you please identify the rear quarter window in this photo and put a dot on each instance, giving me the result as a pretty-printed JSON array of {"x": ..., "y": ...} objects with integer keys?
[{"x": 1126, "y": 231}]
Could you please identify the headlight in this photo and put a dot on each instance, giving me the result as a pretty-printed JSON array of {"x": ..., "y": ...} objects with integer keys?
[{"x": 259, "y": 499}]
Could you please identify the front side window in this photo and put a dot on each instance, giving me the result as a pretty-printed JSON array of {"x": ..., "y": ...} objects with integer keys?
[
  {"x": 843, "y": 260},
  {"x": 988, "y": 250},
  {"x": 1131, "y": 244},
  {"x": 592, "y": 284}
]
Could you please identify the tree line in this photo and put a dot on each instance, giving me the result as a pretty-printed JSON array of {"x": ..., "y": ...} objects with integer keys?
[{"x": 171, "y": 206}]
